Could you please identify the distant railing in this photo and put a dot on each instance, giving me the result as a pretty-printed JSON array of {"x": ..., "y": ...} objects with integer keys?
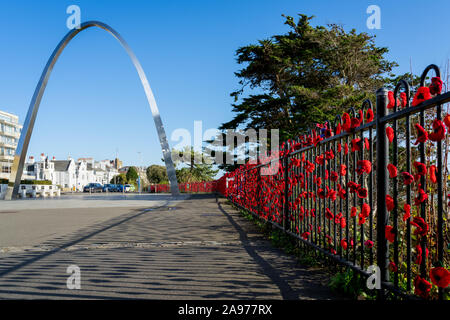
[
  {"x": 191, "y": 187},
  {"x": 365, "y": 190}
]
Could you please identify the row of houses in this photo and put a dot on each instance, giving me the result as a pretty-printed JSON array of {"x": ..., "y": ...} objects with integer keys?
[{"x": 71, "y": 174}]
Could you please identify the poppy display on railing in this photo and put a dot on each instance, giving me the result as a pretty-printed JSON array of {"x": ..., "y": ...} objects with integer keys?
[
  {"x": 369, "y": 190},
  {"x": 189, "y": 187}
]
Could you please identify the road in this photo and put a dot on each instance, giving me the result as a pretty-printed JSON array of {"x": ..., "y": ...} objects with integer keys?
[{"x": 144, "y": 247}]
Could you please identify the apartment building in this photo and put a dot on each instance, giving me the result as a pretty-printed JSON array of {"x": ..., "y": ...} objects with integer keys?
[{"x": 9, "y": 136}]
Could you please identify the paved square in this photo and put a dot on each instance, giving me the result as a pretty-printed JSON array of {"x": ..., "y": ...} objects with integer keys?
[{"x": 168, "y": 248}]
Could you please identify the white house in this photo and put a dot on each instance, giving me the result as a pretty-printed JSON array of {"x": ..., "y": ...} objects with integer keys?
[{"x": 70, "y": 174}]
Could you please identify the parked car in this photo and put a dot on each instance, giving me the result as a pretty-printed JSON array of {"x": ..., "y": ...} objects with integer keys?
[
  {"x": 93, "y": 187},
  {"x": 130, "y": 188},
  {"x": 109, "y": 188}
]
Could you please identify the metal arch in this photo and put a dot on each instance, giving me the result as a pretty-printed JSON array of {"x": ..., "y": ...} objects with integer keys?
[{"x": 22, "y": 147}]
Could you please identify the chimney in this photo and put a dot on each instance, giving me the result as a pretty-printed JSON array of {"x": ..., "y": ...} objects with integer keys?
[
  {"x": 42, "y": 157},
  {"x": 31, "y": 159}
]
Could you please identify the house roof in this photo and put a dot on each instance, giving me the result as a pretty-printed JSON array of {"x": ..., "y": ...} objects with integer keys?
[{"x": 61, "y": 165}]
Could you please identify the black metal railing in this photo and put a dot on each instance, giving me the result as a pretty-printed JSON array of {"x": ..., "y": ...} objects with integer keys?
[{"x": 333, "y": 191}]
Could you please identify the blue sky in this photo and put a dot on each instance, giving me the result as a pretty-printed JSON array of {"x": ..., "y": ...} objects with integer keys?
[{"x": 94, "y": 103}]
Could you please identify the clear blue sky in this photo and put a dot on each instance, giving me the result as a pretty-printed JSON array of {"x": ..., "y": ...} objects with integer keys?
[{"x": 94, "y": 102}]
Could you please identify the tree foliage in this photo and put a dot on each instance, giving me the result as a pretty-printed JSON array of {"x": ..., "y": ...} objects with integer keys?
[
  {"x": 305, "y": 76},
  {"x": 132, "y": 175},
  {"x": 157, "y": 174},
  {"x": 197, "y": 166},
  {"x": 119, "y": 179}
]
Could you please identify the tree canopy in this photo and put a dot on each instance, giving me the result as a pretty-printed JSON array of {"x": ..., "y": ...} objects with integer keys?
[
  {"x": 132, "y": 175},
  {"x": 305, "y": 76},
  {"x": 157, "y": 174}
]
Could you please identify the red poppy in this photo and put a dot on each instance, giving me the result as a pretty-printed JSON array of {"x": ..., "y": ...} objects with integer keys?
[
  {"x": 344, "y": 244},
  {"x": 435, "y": 86},
  {"x": 447, "y": 120},
  {"x": 296, "y": 162},
  {"x": 363, "y": 166},
  {"x": 347, "y": 122},
  {"x": 392, "y": 170},
  {"x": 418, "y": 257},
  {"x": 366, "y": 144},
  {"x": 369, "y": 115},
  {"x": 422, "y": 134},
  {"x": 343, "y": 170},
  {"x": 438, "y": 133},
  {"x": 433, "y": 177},
  {"x": 389, "y": 233},
  {"x": 391, "y": 100},
  {"x": 361, "y": 220},
  {"x": 338, "y": 129},
  {"x": 346, "y": 149},
  {"x": 365, "y": 210},
  {"x": 355, "y": 122},
  {"x": 337, "y": 218},
  {"x": 334, "y": 176},
  {"x": 331, "y": 194},
  {"x": 309, "y": 167},
  {"x": 329, "y": 155},
  {"x": 318, "y": 181},
  {"x": 329, "y": 239},
  {"x": 362, "y": 193},
  {"x": 407, "y": 214},
  {"x": 421, "y": 168},
  {"x": 390, "y": 134},
  {"x": 352, "y": 186},
  {"x": 422, "y": 94},
  {"x": 339, "y": 148},
  {"x": 341, "y": 192},
  {"x": 305, "y": 235},
  {"x": 422, "y": 287},
  {"x": 343, "y": 222},
  {"x": 440, "y": 277},
  {"x": 407, "y": 178},
  {"x": 393, "y": 266},
  {"x": 403, "y": 99},
  {"x": 320, "y": 159},
  {"x": 421, "y": 226},
  {"x": 329, "y": 214},
  {"x": 353, "y": 212},
  {"x": 422, "y": 196},
  {"x": 389, "y": 203},
  {"x": 368, "y": 244},
  {"x": 356, "y": 144}
]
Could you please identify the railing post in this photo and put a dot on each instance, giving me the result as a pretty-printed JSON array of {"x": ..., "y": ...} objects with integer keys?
[
  {"x": 286, "y": 223},
  {"x": 382, "y": 148}
]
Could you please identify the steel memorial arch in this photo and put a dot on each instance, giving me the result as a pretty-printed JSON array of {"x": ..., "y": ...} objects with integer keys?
[{"x": 22, "y": 147}]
